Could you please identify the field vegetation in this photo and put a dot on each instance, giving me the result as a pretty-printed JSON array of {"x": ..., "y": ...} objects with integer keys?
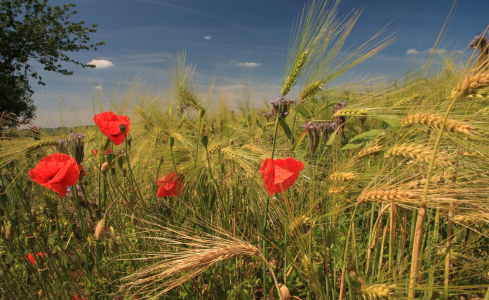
[{"x": 377, "y": 192}]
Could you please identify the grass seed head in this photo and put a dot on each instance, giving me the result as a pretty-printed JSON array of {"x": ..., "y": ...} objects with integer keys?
[
  {"x": 9, "y": 232},
  {"x": 101, "y": 229}
]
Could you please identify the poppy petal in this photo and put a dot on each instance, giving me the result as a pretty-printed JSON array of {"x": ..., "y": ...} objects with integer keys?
[
  {"x": 109, "y": 123},
  {"x": 267, "y": 170}
]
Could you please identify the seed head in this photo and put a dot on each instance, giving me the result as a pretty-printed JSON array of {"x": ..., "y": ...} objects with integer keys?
[{"x": 101, "y": 229}]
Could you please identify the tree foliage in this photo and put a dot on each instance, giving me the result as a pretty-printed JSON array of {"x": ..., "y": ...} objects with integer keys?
[{"x": 32, "y": 30}]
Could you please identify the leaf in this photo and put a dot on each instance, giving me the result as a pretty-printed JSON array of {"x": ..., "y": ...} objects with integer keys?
[
  {"x": 285, "y": 127},
  {"x": 332, "y": 137},
  {"x": 351, "y": 146},
  {"x": 393, "y": 121},
  {"x": 300, "y": 156},
  {"x": 369, "y": 135},
  {"x": 258, "y": 123},
  {"x": 297, "y": 143}
]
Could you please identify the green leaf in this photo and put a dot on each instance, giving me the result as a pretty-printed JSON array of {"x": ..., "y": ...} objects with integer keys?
[
  {"x": 351, "y": 146},
  {"x": 300, "y": 156},
  {"x": 297, "y": 143},
  {"x": 258, "y": 123},
  {"x": 332, "y": 137},
  {"x": 369, "y": 135},
  {"x": 285, "y": 127},
  {"x": 393, "y": 121}
]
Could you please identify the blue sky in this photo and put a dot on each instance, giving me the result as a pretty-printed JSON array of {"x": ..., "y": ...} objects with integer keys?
[{"x": 230, "y": 37}]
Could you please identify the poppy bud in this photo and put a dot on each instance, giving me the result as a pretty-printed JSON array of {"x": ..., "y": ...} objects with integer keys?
[
  {"x": 101, "y": 229},
  {"x": 242, "y": 190},
  {"x": 122, "y": 127},
  {"x": 201, "y": 113},
  {"x": 105, "y": 167},
  {"x": 134, "y": 219},
  {"x": 113, "y": 247},
  {"x": 171, "y": 142},
  {"x": 3, "y": 199},
  {"x": 108, "y": 158},
  {"x": 73, "y": 227},
  {"x": 30, "y": 241},
  {"x": 112, "y": 171},
  {"x": 98, "y": 214},
  {"x": 34, "y": 226},
  {"x": 129, "y": 142},
  {"x": 124, "y": 172},
  {"x": 43, "y": 273},
  {"x": 120, "y": 161},
  {"x": 160, "y": 161},
  {"x": 204, "y": 140},
  {"x": 9, "y": 232}
]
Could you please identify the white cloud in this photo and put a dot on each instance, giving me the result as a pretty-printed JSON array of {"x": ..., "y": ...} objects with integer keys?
[
  {"x": 101, "y": 64},
  {"x": 207, "y": 37},
  {"x": 412, "y": 51},
  {"x": 416, "y": 52},
  {"x": 249, "y": 64},
  {"x": 98, "y": 87}
]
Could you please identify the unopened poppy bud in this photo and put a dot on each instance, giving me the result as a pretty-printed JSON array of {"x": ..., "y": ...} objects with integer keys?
[
  {"x": 105, "y": 167},
  {"x": 9, "y": 232},
  {"x": 120, "y": 161},
  {"x": 171, "y": 142},
  {"x": 204, "y": 140},
  {"x": 98, "y": 213},
  {"x": 108, "y": 158},
  {"x": 160, "y": 161},
  {"x": 112, "y": 171},
  {"x": 201, "y": 113},
  {"x": 129, "y": 141},
  {"x": 43, "y": 273},
  {"x": 30, "y": 241},
  {"x": 134, "y": 219},
  {"x": 124, "y": 172},
  {"x": 113, "y": 247},
  {"x": 242, "y": 190},
  {"x": 122, "y": 127},
  {"x": 34, "y": 226},
  {"x": 101, "y": 229},
  {"x": 3, "y": 199}
]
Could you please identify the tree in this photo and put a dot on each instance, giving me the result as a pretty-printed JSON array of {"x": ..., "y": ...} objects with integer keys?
[{"x": 33, "y": 30}]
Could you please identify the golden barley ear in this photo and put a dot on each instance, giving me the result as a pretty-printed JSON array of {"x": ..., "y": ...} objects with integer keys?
[{"x": 101, "y": 229}]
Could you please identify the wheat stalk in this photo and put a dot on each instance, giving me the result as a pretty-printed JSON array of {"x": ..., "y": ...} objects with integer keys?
[
  {"x": 42, "y": 144},
  {"x": 406, "y": 100},
  {"x": 311, "y": 90},
  {"x": 436, "y": 121},
  {"x": 367, "y": 152},
  {"x": 292, "y": 78}
]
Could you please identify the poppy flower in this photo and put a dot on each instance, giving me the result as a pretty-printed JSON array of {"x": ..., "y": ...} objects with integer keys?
[
  {"x": 95, "y": 152},
  {"x": 167, "y": 186},
  {"x": 56, "y": 172},
  {"x": 109, "y": 123},
  {"x": 31, "y": 257},
  {"x": 81, "y": 168},
  {"x": 280, "y": 174},
  {"x": 108, "y": 151},
  {"x": 78, "y": 298}
]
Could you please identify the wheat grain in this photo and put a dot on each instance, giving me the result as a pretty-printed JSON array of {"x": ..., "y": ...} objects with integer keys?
[
  {"x": 41, "y": 144},
  {"x": 378, "y": 291},
  {"x": 406, "y": 100},
  {"x": 311, "y": 90},
  {"x": 337, "y": 190},
  {"x": 297, "y": 224},
  {"x": 367, "y": 152},
  {"x": 420, "y": 152},
  {"x": 291, "y": 79},
  {"x": 351, "y": 112},
  {"x": 436, "y": 121},
  {"x": 342, "y": 176},
  {"x": 388, "y": 196},
  {"x": 471, "y": 85}
]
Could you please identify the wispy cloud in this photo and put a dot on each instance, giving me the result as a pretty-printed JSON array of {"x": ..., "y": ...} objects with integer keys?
[
  {"x": 207, "y": 37},
  {"x": 98, "y": 87},
  {"x": 101, "y": 64},
  {"x": 250, "y": 64},
  {"x": 416, "y": 52},
  {"x": 200, "y": 13}
]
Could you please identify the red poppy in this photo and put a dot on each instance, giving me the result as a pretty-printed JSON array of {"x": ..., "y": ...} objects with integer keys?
[
  {"x": 167, "y": 186},
  {"x": 108, "y": 151},
  {"x": 95, "y": 152},
  {"x": 109, "y": 123},
  {"x": 56, "y": 172},
  {"x": 78, "y": 298},
  {"x": 81, "y": 168},
  {"x": 31, "y": 257},
  {"x": 280, "y": 174}
]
